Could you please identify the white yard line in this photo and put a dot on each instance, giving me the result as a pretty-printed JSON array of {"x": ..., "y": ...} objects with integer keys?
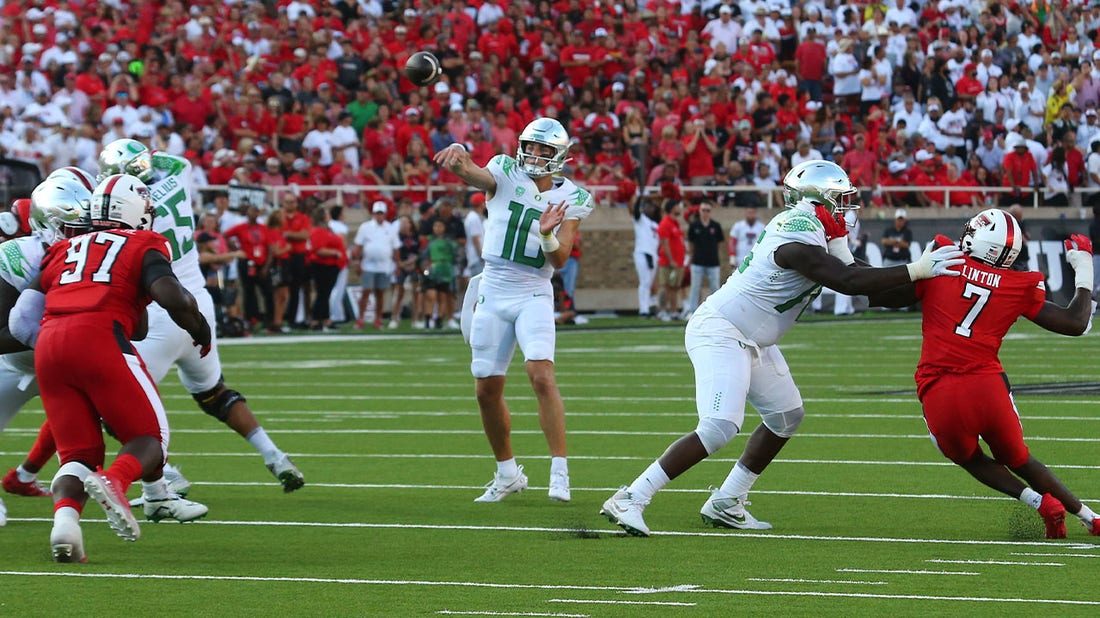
[
  {"x": 791, "y": 580},
  {"x": 717, "y": 535},
  {"x": 1055, "y": 555},
  {"x": 910, "y": 572},
  {"x": 378, "y": 582},
  {"x": 611, "y": 602},
  {"x": 998, "y": 562},
  {"x": 457, "y": 613}
]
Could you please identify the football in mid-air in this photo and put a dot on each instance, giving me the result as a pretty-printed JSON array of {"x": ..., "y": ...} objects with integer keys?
[{"x": 423, "y": 68}]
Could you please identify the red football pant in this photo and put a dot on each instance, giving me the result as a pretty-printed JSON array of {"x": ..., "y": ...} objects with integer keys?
[
  {"x": 961, "y": 408},
  {"x": 88, "y": 371}
]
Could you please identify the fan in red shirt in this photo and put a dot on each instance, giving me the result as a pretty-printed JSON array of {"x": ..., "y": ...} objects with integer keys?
[
  {"x": 93, "y": 290},
  {"x": 670, "y": 258},
  {"x": 960, "y": 381},
  {"x": 296, "y": 229},
  {"x": 327, "y": 253},
  {"x": 252, "y": 238}
]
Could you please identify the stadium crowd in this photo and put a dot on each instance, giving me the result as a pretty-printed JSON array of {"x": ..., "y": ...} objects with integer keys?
[
  {"x": 659, "y": 95},
  {"x": 943, "y": 92}
]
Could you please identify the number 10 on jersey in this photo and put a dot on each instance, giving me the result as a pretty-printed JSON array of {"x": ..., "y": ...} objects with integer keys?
[{"x": 515, "y": 240}]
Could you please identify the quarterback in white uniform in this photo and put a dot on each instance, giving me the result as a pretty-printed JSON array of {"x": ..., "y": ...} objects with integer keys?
[
  {"x": 731, "y": 341},
  {"x": 169, "y": 181},
  {"x": 533, "y": 218}
]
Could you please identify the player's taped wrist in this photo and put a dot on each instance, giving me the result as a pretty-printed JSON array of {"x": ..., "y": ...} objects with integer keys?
[
  {"x": 1081, "y": 263},
  {"x": 838, "y": 248},
  {"x": 549, "y": 242}
]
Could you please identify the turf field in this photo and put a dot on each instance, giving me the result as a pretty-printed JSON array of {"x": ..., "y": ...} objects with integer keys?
[{"x": 869, "y": 520}]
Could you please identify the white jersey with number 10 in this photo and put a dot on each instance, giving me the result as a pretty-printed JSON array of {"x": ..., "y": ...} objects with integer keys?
[
  {"x": 511, "y": 250},
  {"x": 174, "y": 220}
]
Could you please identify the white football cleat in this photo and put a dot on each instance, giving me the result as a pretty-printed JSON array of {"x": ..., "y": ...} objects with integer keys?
[
  {"x": 174, "y": 507},
  {"x": 119, "y": 516},
  {"x": 177, "y": 483},
  {"x": 723, "y": 511},
  {"x": 287, "y": 473},
  {"x": 501, "y": 487},
  {"x": 67, "y": 542},
  {"x": 623, "y": 510},
  {"x": 559, "y": 486}
]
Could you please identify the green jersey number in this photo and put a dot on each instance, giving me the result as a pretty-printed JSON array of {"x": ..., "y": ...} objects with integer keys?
[
  {"x": 181, "y": 236},
  {"x": 515, "y": 239}
]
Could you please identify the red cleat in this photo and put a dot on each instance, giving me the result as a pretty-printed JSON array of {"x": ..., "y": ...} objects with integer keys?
[
  {"x": 1054, "y": 516},
  {"x": 1094, "y": 528},
  {"x": 34, "y": 489}
]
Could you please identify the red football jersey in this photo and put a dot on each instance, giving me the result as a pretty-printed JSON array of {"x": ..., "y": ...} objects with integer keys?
[
  {"x": 966, "y": 317},
  {"x": 98, "y": 276}
]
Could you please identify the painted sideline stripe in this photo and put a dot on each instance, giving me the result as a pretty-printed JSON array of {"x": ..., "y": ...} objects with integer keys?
[
  {"x": 792, "y": 580},
  {"x": 1055, "y": 555},
  {"x": 909, "y": 572},
  {"x": 378, "y": 582},
  {"x": 1007, "y": 563},
  {"x": 608, "y": 602},
  {"x": 455, "y": 613},
  {"x": 609, "y": 531}
]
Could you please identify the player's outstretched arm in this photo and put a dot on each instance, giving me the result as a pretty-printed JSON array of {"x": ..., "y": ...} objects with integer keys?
[
  {"x": 165, "y": 288},
  {"x": 1073, "y": 319},
  {"x": 814, "y": 263},
  {"x": 457, "y": 161}
]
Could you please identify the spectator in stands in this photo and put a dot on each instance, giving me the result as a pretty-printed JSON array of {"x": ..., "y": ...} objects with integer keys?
[
  {"x": 844, "y": 67},
  {"x": 327, "y": 254},
  {"x": 254, "y": 268},
  {"x": 439, "y": 260},
  {"x": 376, "y": 249},
  {"x": 1020, "y": 170},
  {"x": 671, "y": 260},
  {"x": 1056, "y": 172},
  {"x": 704, "y": 237},
  {"x": 810, "y": 64}
]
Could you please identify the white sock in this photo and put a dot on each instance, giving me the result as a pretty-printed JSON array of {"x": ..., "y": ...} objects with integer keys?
[
  {"x": 1085, "y": 514},
  {"x": 1031, "y": 498},
  {"x": 157, "y": 490},
  {"x": 66, "y": 513},
  {"x": 24, "y": 476},
  {"x": 507, "y": 468},
  {"x": 559, "y": 464},
  {"x": 259, "y": 441},
  {"x": 739, "y": 481},
  {"x": 649, "y": 483}
]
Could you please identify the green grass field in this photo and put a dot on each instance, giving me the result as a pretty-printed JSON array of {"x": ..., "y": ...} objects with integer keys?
[{"x": 869, "y": 519}]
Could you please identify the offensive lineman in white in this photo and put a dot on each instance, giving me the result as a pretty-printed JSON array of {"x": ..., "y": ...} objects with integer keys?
[
  {"x": 731, "y": 341},
  {"x": 526, "y": 203},
  {"x": 59, "y": 209},
  {"x": 169, "y": 181}
]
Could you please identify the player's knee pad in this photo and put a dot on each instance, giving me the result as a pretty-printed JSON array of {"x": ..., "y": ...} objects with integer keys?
[
  {"x": 217, "y": 401},
  {"x": 72, "y": 468},
  {"x": 715, "y": 433},
  {"x": 784, "y": 424}
]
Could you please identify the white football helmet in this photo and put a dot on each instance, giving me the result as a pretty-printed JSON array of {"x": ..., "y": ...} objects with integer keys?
[
  {"x": 126, "y": 156},
  {"x": 992, "y": 237},
  {"x": 59, "y": 208},
  {"x": 121, "y": 201},
  {"x": 820, "y": 182},
  {"x": 545, "y": 131},
  {"x": 77, "y": 174}
]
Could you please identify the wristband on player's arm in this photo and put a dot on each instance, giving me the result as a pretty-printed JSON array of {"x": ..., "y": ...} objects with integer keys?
[{"x": 549, "y": 242}]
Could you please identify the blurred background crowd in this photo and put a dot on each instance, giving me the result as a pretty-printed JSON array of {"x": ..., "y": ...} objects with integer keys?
[{"x": 665, "y": 101}]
